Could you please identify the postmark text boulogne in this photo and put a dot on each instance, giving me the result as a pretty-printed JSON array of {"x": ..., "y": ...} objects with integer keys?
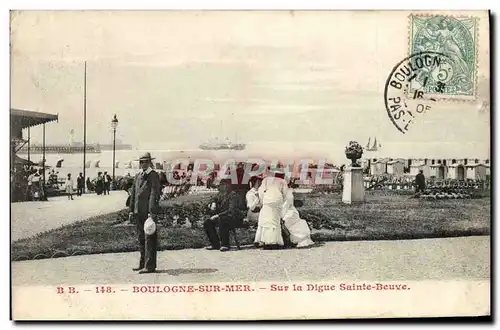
[{"x": 404, "y": 103}]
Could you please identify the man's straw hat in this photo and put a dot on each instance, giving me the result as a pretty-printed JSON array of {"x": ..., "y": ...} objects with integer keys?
[{"x": 146, "y": 156}]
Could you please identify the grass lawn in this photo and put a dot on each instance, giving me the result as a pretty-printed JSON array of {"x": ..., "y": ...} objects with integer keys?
[{"x": 384, "y": 215}]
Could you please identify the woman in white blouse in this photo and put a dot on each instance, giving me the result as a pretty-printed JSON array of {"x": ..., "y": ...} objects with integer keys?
[
  {"x": 272, "y": 195},
  {"x": 253, "y": 201}
]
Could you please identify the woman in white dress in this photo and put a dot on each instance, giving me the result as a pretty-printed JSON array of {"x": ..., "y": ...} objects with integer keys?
[
  {"x": 69, "y": 187},
  {"x": 300, "y": 233},
  {"x": 272, "y": 194}
]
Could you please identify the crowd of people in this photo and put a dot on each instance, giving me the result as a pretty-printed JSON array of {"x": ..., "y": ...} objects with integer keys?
[
  {"x": 29, "y": 184},
  {"x": 101, "y": 185},
  {"x": 35, "y": 189}
]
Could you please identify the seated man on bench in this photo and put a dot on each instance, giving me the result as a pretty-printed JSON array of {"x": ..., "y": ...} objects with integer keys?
[{"x": 226, "y": 214}]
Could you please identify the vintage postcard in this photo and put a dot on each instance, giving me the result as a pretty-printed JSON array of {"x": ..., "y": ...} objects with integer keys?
[{"x": 250, "y": 165}]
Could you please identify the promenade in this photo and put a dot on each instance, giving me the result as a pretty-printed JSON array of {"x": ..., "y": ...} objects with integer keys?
[
  {"x": 404, "y": 260},
  {"x": 31, "y": 218}
]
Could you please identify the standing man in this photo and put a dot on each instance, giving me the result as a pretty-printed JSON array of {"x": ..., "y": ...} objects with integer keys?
[
  {"x": 89, "y": 185},
  {"x": 110, "y": 181},
  {"x": 420, "y": 182},
  {"x": 80, "y": 184},
  {"x": 144, "y": 198},
  {"x": 107, "y": 183}
]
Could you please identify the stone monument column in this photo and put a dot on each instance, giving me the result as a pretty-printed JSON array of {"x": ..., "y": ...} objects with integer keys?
[{"x": 354, "y": 189}]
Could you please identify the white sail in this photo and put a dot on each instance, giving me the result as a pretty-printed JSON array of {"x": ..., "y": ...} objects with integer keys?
[{"x": 374, "y": 148}]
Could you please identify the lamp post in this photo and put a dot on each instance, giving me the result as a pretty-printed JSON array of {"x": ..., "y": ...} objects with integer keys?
[
  {"x": 84, "y": 122},
  {"x": 114, "y": 124}
]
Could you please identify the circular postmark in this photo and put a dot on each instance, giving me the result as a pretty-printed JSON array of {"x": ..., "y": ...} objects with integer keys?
[{"x": 405, "y": 89}]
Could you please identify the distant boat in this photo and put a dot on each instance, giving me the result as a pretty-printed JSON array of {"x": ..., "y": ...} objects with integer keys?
[
  {"x": 374, "y": 147},
  {"x": 367, "y": 147},
  {"x": 226, "y": 145}
]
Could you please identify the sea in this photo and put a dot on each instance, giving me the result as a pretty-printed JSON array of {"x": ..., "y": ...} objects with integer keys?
[
  {"x": 286, "y": 153},
  {"x": 128, "y": 159}
]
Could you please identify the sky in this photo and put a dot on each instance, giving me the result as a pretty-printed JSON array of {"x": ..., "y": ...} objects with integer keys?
[{"x": 176, "y": 79}]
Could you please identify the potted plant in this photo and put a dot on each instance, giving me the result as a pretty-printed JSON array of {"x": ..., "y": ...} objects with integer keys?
[{"x": 354, "y": 151}]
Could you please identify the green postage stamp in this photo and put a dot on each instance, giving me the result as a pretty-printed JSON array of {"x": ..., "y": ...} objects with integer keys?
[{"x": 456, "y": 39}]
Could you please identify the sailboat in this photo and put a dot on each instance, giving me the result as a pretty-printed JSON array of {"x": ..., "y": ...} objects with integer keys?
[{"x": 375, "y": 145}]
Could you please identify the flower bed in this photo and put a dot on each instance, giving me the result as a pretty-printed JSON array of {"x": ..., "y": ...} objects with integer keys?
[
  {"x": 385, "y": 215},
  {"x": 326, "y": 189}
]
